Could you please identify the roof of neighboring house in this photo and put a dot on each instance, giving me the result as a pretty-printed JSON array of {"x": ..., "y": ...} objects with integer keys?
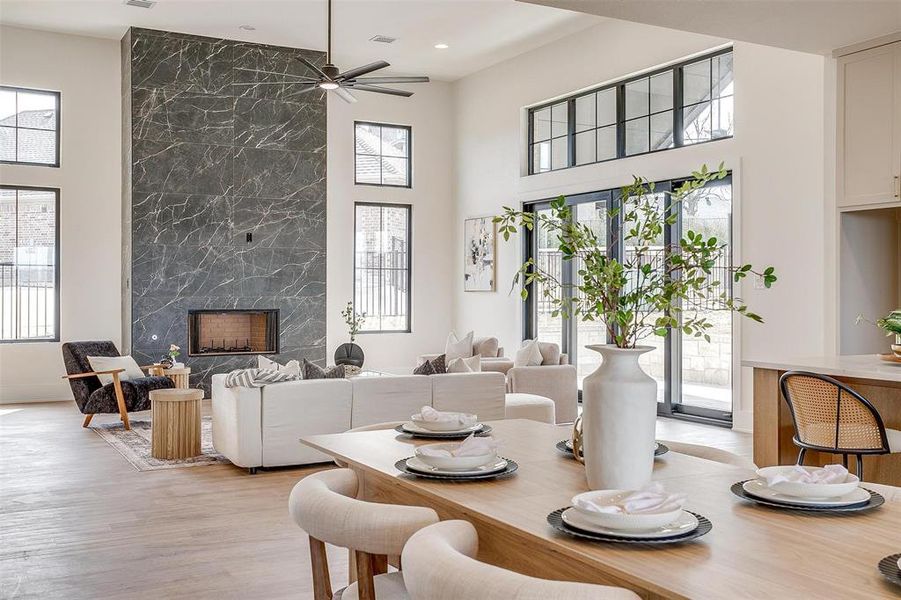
[
  {"x": 369, "y": 144},
  {"x": 31, "y": 146}
]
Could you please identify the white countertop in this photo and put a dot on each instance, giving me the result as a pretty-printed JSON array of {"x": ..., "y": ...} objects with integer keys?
[{"x": 863, "y": 366}]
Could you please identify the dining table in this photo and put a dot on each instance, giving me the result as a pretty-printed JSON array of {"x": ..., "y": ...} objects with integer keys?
[{"x": 753, "y": 551}]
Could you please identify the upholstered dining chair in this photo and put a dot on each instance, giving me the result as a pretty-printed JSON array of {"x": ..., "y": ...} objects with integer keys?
[
  {"x": 707, "y": 452},
  {"x": 439, "y": 564},
  {"x": 92, "y": 397},
  {"x": 323, "y": 505},
  {"x": 831, "y": 417}
]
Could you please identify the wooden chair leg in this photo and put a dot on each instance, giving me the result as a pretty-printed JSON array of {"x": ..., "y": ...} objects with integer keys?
[
  {"x": 379, "y": 564},
  {"x": 120, "y": 400},
  {"x": 365, "y": 583},
  {"x": 322, "y": 585},
  {"x": 87, "y": 419}
]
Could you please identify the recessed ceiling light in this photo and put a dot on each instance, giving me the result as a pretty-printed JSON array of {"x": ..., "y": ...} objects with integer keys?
[
  {"x": 247, "y": 28},
  {"x": 442, "y": 46},
  {"x": 140, "y": 3}
]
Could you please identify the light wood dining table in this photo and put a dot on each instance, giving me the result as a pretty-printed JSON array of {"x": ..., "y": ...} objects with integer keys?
[{"x": 752, "y": 551}]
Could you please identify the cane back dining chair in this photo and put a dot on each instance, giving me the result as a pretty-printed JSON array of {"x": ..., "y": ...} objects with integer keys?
[{"x": 831, "y": 417}]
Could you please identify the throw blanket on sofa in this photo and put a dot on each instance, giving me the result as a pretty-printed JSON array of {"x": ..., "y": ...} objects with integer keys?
[{"x": 254, "y": 378}]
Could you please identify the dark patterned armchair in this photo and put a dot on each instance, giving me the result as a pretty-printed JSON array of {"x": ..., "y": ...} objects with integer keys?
[{"x": 116, "y": 397}]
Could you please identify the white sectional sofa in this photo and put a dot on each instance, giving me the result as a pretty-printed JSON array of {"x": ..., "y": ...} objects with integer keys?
[{"x": 261, "y": 427}]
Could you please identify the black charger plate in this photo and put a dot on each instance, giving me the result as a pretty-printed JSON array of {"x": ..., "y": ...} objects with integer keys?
[
  {"x": 888, "y": 566},
  {"x": 555, "y": 520},
  {"x": 562, "y": 447},
  {"x": 401, "y": 465},
  {"x": 875, "y": 501},
  {"x": 438, "y": 435}
]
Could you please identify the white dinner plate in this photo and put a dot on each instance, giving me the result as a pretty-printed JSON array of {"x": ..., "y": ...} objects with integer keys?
[
  {"x": 415, "y": 464},
  {"x": 758, "y": 488},
  {"x": 685, "y": 523},
  {"x": 569, "y": 445},
  {"x": 411, "y": 427}
]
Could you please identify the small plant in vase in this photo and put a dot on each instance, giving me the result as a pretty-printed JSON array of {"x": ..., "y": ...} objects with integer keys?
[
  {"x": 891, "y": 324},
  {"x": 171, "y": 358},
  {"x": 351, "y": 353},
  {"x": 653, "y": 289}
]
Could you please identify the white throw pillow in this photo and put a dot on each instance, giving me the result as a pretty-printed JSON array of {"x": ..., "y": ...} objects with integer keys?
[
  {"x": 529, "y": 355},
  {"x": 109, "y": 363},
  {"x": 473, "y": 364},
  {"x": 292, "y": 367},
  {"x": 458, "y": 347}
]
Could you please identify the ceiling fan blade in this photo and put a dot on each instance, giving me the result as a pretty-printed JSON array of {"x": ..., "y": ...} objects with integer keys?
[
  {"x": 389, "y": 79},
  {"x": 300, "y": 78},
  {"x": 345, "y": 95},
  {"x": 362, "y": 70},
  {"x": 380, "y": 90},
  {"x": 313, "y": 67}
]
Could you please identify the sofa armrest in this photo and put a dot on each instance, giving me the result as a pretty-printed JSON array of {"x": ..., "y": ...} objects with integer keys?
[
  {"x": 497, "y": 365},
  {"x": 237, "y": 423},
  {"x": 557, "y": 382}
]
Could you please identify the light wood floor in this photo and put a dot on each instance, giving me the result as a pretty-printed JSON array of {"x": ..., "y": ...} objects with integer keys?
[{"x": 78, "y": 522}]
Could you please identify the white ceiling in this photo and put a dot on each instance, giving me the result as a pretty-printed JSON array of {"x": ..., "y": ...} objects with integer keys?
[
  {"x": 479, "y": 32},
  {"x": 816, "y": 26}
]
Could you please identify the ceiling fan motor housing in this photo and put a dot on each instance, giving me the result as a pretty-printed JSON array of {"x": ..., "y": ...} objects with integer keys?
[{"x": 331, "y": 71}]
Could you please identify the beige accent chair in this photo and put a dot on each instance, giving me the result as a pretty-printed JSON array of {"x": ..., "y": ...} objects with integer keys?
[
  {"x": 488, "y": 348},
  {"x": 530, "y": 406},
  {"x": 555, "y": 378},
  {"x": 323, "y": 505},
  {"x": 439, "y": 564},
  {"x": 709, "y": 453}
]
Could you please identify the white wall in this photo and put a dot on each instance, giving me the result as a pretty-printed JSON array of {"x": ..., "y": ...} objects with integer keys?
[
  {"x": 87, "y": 73},
  {"x": 429, "y": 112},
  {"x": 776, "y": 156}
]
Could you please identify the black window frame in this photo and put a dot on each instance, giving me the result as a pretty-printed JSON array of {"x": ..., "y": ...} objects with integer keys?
[
  {"x": 56, "y": 270},
  {"x": 408, "y": 270},
  {"x": 58, "y": 96},
  {"x": 409, "y": 157},
  {"x": 619, "y": 86}
]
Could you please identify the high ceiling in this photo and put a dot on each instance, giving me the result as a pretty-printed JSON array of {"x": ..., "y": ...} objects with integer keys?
[
  {"x": 479, "y": 33},
  {"x": 816, "y": 26}
]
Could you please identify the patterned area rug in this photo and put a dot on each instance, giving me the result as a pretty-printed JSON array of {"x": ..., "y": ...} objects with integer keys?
[{"x": 134, "y": 445}]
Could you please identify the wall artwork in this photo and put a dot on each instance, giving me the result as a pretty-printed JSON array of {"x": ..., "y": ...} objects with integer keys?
[{"x": 479, "y": 242}]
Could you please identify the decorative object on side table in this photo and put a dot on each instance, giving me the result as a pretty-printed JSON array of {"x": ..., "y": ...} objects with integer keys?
[
  {"x": 480, "y": 244},
  {"x": 654, "y": 289},
  {"x": 350, "y": 353},
  {"x": 170, "y": 360},
  {"x": 891, "y": 324}
]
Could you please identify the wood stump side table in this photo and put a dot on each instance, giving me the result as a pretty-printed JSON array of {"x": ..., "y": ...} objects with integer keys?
[
  {"x": 180, "y": 377},
  {"x": 175, "y": 429}
]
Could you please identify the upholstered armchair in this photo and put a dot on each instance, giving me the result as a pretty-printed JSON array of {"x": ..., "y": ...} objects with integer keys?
[
  {"x": 554, "y": 378},
  {"x": 492, "y": 354},
  {"x": 117, "y": 397}
]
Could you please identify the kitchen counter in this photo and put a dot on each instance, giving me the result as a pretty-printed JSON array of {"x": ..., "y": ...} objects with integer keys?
[{"x": 862, "y": 366}]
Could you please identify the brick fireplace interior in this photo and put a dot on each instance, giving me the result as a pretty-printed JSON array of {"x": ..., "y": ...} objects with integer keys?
[{"x": 232, "y": 332}]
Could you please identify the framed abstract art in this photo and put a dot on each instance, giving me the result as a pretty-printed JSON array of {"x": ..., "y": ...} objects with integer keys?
[{"x": 480, "y": 245}]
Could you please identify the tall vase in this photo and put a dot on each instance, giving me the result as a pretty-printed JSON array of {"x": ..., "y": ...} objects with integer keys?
[{"x": 619, "y": 416}]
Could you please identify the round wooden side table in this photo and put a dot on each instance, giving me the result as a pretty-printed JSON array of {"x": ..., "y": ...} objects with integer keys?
[
  {"x": 180, "y": 377},
  {"x": 175, "y": 429}
]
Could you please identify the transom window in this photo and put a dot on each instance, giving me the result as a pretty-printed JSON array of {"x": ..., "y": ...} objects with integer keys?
[
  {"x": 675, "y": 106},
  {"x": 382, "y": 154},
  {"x": 29, "y": 127}
]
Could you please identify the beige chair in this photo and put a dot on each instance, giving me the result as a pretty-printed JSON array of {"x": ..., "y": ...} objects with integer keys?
[
  {"x": 323, "y": 505},
  {"x": 439, "y": 565},
  {"x": 709, "y": 453},
  {"x": 555, "y": 378},
  {"x": 529, "y": 406}
]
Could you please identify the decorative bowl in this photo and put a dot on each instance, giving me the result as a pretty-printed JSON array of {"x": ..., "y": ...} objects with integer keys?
[
  {"x": 808, "y": 490},
  {"x": 896, "y": 348},
  {"x": 622, "y": 521},
  {"x": 465, "y": 420},
  {"x": 454, "y": 463}
]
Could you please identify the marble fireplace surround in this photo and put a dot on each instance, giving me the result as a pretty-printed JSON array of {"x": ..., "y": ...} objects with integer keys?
[{"x": 224, "y": 192}]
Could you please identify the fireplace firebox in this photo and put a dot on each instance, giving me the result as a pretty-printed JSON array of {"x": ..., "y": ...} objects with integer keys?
[{"x": 232, "y": 331}]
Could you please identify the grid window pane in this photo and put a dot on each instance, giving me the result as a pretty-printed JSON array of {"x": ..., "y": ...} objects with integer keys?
[
  {"x": 36, "y": 146},
  {"x": 28, "y": 126},
  {"x": 36, "y": 110},
  {"x": 723, "y": 75},
  {"x": 382, "y": 266},
  {"x": 606, "y": 107},
  {"x": 28, "y": 258},
  {"x": 696, "y": 121},
  {"x": 541, "y": 157},
  {"x": 541, "y": 123},
  {"x": 606, "y": 143},
  {"x": 559, "y": 153},
  {"x": 8, "y": 143},
  {"x": 585, "y": 113},
  {"x": 637, "y": 136},
  {"x": 696, "y": 82},
  {"x": 382, "y": 154},
  {"x": 585, "y": 148},
  {"x": 7, "y": 107},
  {"x": 559, "y": 119},
  {"x": 637, "y": 98},
  {"x": 662, "y": 130},
  {"x": 723, "y": 118},
  {"x": 662, "y": 92}
]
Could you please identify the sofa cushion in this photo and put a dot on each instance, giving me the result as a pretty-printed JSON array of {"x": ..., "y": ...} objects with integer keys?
[
  {"x": 458, "y": 347},
  {"x": 425, "y": 368},
  {"x": 111, "y": 363},
  {"x": 550, "y": 353},
  {"x": 529, "y": 355},
  {"x": 389, "y": 398},
  {"x": 136, "y": 393},
  {"x": 486, "y": 347},
  {"x": 311, "y": 371},
  {"x": 473, "y": 364},
  {"x": 478, "y": 393},
  {"x": 292, "y": 367}
]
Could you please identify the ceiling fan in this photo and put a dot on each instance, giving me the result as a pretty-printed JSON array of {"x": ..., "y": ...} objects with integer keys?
[{"x": 329, "y": 77}]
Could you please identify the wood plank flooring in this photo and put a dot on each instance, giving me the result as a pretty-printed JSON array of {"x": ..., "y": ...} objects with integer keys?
[{"x": 78, "y": 522}]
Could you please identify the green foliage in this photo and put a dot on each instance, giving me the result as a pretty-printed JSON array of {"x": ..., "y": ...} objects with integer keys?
[
  {"x": 630, "y": 294},
  {"x": 353, "y": 319}
]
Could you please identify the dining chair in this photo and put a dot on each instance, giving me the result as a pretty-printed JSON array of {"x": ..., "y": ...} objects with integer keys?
[
  {"x": 439, "y": 564},
  {"x": 323, "y": 505},
  {"x": 710, "y": 453},
  {"x": 831, "y": 417}
]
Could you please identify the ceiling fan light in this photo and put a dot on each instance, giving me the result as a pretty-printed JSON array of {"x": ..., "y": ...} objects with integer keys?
[{"x": 328, "y": 85}]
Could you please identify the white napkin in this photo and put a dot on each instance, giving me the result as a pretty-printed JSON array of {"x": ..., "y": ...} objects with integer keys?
[
  {"x": 824, "y": 475},
  {"x": 427, "y": 413},
  {"x": 471, "y": 446},
  {"x": 651, "y": 498}
]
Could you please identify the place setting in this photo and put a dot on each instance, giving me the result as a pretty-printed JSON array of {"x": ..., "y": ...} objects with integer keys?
[
  {"x": 829, "y": 489},
  {"x": 650, "y": 515},
  {"x": 475, "y": 458},
  {"x": 442, "y": 425}
]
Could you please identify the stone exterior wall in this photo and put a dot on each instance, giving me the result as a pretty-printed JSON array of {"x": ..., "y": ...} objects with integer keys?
[{"x": 219, "y": 148}]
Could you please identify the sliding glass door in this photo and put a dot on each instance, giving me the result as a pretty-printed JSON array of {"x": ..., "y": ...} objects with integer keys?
[{"x": 694, "y": 378}]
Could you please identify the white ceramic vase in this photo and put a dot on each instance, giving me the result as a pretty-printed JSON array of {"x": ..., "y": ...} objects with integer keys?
[{"x": 619, "y": 417}]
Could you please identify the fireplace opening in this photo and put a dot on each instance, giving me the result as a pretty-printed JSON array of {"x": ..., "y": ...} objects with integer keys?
[{"x": 232, "y": 331}]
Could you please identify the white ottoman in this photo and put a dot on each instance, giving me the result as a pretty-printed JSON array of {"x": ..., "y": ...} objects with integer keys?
[{"x": 530, "y": 406}]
